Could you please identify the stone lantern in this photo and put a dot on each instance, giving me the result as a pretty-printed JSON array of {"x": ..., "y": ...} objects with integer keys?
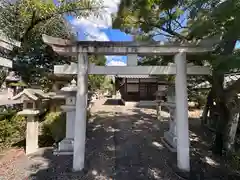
[
  {"x": 170, "y": 136},
  {"x": 10, "y": 80},
  {"x": 159, "y": 100},
  {"x": 32, "y": 107},
  {"x": 67, "y": 144}
]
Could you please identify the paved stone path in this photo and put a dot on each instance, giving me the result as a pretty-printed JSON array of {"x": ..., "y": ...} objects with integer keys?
[{"x": 123, "y": 143}]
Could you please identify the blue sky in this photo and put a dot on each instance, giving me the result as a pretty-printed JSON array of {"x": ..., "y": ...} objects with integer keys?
[
  {"x": 237, "y": 45},
  {"x": 89, "y": 31},
  {"x": 99, "y": 29}
]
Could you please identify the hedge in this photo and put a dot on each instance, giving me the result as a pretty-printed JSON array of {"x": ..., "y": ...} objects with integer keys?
[
  {"x": 54, "y": 125},
  {"x": 12, "y": 130}
]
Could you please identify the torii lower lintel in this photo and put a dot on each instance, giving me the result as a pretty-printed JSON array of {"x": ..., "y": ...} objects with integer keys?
[{"x": 130, "y": 70}]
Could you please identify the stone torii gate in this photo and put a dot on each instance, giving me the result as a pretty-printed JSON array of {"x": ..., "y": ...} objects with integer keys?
[{"x": 82, "y": 68}]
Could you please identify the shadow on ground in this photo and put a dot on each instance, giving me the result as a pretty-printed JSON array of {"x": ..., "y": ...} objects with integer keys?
[
  {"x": 127, "y": 146},
  {"x": 43, "y": 141},
  {"x": 112, "y": 102}
]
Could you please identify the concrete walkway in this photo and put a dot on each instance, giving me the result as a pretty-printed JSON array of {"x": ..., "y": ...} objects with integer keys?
[{"x": 123, "y": 143}]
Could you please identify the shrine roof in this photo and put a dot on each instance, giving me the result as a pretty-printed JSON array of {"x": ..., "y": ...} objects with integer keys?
[
  {"x": 228, "y": 80},
  {"x": 33, "y": 94}
]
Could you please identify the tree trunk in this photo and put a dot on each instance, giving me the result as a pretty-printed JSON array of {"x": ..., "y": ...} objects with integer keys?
[
  {"x": 232, "y": 126},
  {"x": 222, "y": 119},
  {"x": 221, "y": 112},
  {"x": 205, "y": 114},
  {"x": 225, "y": 48},
  {"x": 207, "y": 108}
]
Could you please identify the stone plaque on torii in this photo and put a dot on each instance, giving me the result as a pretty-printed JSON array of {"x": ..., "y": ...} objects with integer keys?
[{"x": 82, "y": 68}]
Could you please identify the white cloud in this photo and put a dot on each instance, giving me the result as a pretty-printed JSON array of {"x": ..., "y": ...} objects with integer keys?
[
  {"x": 111, "y": 5},
  {"x": 90, "y": 26},
  {"x": 90, "y": 31},
  {"x": 100, "y": 36},
  {"x": 104, "y": 19},
  {"x": 94, "y": 34},
  {"x": 116, "y": 63},
  {"x": 96, "y": 22}
]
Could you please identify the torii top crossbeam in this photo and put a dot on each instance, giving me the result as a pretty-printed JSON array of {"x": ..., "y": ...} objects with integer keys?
[{"x": 67, "y": 47}]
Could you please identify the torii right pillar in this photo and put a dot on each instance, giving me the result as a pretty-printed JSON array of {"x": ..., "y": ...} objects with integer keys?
[{"x": 183, "y": 159}]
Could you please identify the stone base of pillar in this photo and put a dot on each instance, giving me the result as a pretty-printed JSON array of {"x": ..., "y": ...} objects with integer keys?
[
  {"x": 65, "y": 147},
  {"x": 31, "y": 150},
  {"x": 193, "y": 174},
  {"x": 170, "y": 141}
]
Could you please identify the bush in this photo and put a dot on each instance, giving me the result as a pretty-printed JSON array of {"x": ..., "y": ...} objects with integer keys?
[
  {"x": 198, "y": 96},
  {"x": 12, "y": 130},
  {"x": 235, "y": 161},
  {"x": 7, "y": 113},
  {"x": 54, "y": 125}
]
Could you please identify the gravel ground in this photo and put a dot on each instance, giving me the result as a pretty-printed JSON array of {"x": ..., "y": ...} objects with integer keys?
[{"x": 123, "y": 143}]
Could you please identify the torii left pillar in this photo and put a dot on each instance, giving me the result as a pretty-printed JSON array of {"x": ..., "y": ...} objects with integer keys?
[
  {"x": 81, "y": 113},
  {"x": 183, "y": 159}
]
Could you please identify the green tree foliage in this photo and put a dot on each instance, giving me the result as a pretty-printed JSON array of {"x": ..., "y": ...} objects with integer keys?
[
  {"x": 3, "y": 76},
  {"x": 27, "y": 20},
  {"x": 54, "y": 125},
  {"x": 204, "y": 19},
  {"x": 19, "y": 18},
  {"x": 35, "y": 60},
  {"x": 12, "y": 130},
  {"x": 152, "y": 17},
  {"x": 95, "y": 82}
]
